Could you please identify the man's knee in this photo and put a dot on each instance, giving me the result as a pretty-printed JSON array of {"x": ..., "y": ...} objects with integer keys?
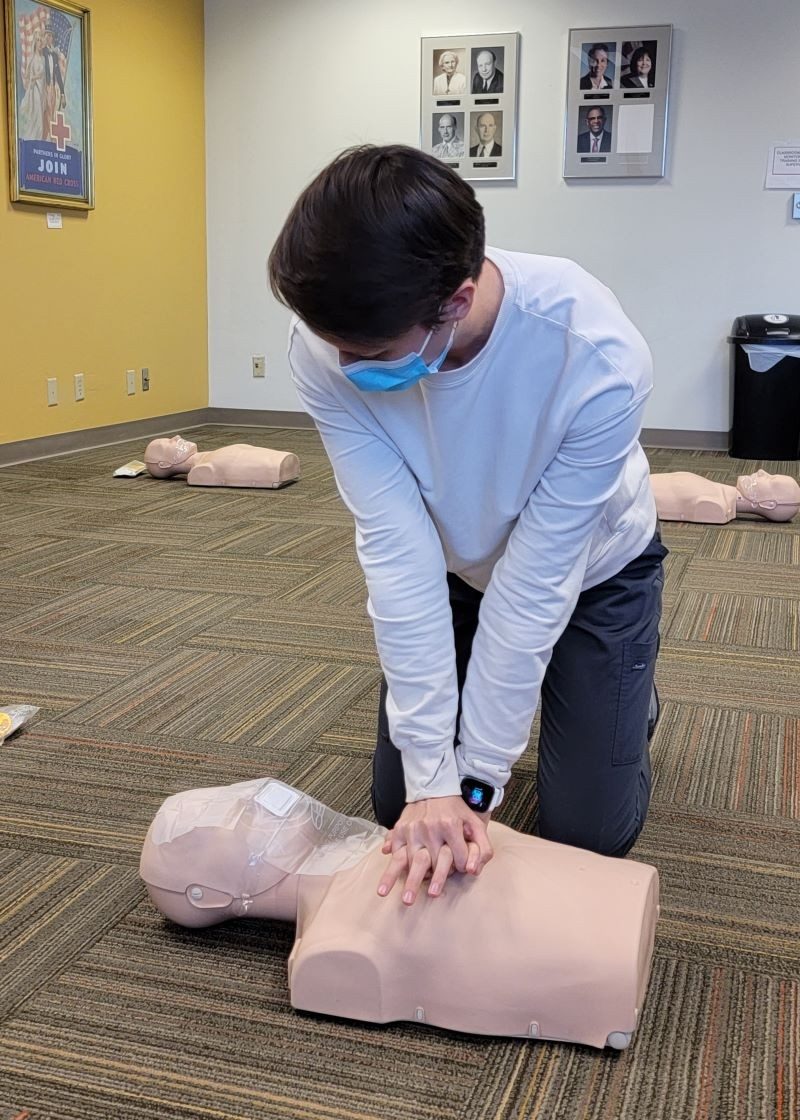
[{"x": 598, "y": 834}]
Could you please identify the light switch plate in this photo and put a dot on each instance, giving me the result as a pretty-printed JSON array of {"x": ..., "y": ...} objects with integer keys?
[{"x": 796, "y": 206}]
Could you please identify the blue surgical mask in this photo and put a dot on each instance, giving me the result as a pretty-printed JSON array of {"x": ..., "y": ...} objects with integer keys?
[{"x": 400, "y": 373}]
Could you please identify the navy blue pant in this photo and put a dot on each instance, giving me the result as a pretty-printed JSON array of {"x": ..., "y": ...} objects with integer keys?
[{"x": 594, "y": 761}]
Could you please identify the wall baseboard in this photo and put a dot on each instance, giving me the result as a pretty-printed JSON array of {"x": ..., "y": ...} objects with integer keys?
[
  {"x": 45, "y": 447},
  {"x": 685, "y": 439}
]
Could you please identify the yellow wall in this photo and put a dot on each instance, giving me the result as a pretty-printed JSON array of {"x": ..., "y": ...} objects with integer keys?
[{"x": 124, "y": 285}]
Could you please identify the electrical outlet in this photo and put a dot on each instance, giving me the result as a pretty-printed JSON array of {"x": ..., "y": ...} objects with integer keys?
[
  {"x": 79, "y": 388},
  {"x": 259, "y": 365},
  {"x": 145, "y": 379},
  {"x": 52, "y": 391},
  {"x": 130, "y": 377}
]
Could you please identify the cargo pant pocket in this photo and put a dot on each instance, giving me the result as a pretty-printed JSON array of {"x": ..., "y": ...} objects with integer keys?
[{"x": 633, "y": 701}]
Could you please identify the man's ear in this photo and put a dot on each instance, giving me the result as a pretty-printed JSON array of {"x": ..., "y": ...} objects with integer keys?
[{"x": 460, "y": 302}]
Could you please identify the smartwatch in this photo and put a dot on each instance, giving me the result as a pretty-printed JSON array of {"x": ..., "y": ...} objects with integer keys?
[{"x": 479, "y": 795}]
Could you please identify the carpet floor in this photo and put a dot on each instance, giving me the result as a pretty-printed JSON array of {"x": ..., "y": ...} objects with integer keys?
[{"x": 177, "y": 637}]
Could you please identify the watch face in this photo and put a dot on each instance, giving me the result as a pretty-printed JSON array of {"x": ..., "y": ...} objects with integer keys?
[
  {"x": 478, "y": 795},
  {"x": 476, "y": 798}
]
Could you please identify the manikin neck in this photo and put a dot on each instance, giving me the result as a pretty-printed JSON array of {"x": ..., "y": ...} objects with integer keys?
[{"x": 183, "y": 465}]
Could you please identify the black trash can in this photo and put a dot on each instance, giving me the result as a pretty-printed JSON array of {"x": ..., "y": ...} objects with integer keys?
[{"x": 766, "y": 392}]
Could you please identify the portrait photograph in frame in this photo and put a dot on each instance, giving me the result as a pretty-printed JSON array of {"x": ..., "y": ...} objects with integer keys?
[
  {"x": 48, "y": 64},
  {"x": 617, "y": 99},
  {"x": 468, "y": 103}
]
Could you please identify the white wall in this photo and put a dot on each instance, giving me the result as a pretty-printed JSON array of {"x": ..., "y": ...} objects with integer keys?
[{"x": 291, "y": 82}]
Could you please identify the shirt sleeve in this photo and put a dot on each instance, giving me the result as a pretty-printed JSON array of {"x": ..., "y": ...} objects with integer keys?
[
  {"x": 536, "y": 583},
  {"x": 403, "y": 562}
]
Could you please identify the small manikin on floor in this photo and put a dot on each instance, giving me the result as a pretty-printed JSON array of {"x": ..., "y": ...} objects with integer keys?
[{"x": 549, "y": 942}]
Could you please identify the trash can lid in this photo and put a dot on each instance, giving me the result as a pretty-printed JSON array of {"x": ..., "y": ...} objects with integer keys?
[{"x": 763, "y": 329}]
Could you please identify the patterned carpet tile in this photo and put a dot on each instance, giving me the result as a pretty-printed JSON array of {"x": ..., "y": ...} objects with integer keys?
[
  {"x": 340, "y": 634},
  {"x": 730, "y": 620},
  {"x": 59, "y": 679},
  {"x": 121, "y": 615},
  {"x": 737, "y": 577},
  {"x": 123, "y": 525},
  {"x": 228, "y": 697},
  {"x": 164, "y": 502},
  {"x": 51, "y": 910},
  {"x": 340, "y": 584},
  {"x": 62, "y": 563},
  {"x": 24, "y": 517},
  {"x": 90, "y": 795},
  {"x": 695, "y": 765},
  {"x": 739, "y": 678},
  {"x": 182, "y": 571},
  {"x": 748, "y": 544},
  {"x": 353, "y": 732},
  {"x": 296, "y": 539},
  {"x": 16, "y": 600},
  {"x": 86, "y": 497}
]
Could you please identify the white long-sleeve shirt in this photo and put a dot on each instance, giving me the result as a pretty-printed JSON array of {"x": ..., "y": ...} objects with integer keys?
[{"x": 520, "y": 472}]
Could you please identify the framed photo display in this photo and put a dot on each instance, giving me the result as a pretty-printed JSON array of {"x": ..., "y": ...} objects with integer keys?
[
  {"x": 468, "y": 103},
  {"x": 617, "y": 90},
  {"x": 48, "y": 64}
]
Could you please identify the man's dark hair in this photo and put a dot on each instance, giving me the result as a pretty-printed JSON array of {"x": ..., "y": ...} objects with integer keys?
[
  {"x": 597, "y": 47},
  {"x": 377, "y": 243}
]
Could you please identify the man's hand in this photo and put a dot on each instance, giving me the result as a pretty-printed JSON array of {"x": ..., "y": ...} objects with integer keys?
[{"x": 435, "y": 837}]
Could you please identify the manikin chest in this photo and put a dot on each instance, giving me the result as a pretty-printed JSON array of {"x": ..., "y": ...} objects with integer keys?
[{"x": 549, "y": 942}]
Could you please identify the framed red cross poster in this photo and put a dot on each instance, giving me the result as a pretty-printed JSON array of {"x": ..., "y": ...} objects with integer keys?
[{"x": 48, "y": 63}]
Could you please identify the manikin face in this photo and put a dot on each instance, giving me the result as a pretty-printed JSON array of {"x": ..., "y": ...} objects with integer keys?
[
  {"x": 644, "y": 65},
  {"x": 447, "y": 128},
  {"x": 167, "y": 452},
  {"x": 487, "y": 127},
  {"x": 485, "y": 65},
  {"x": 595, "y": 119},
  {"x": 448, "y": 63},
  {"x": 598, "y": 61}
]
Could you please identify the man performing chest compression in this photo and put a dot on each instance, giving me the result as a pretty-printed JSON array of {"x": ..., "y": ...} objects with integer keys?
[{"x": 481, "y": 410}]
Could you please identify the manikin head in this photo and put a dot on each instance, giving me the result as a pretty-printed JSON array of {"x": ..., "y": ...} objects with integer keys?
[
  {"x": 408, "y": 235},
  {"x": 165, "y": 457},
  {"x": 228, "y": 851},
  {"x": 774, "y": 496}
]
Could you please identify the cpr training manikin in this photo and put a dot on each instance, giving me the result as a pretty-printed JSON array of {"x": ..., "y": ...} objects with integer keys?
[
  {"x": 549, "y": 942},
  {"x": 682, "y": 496},
  {"x": 238, "y": 464}
]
